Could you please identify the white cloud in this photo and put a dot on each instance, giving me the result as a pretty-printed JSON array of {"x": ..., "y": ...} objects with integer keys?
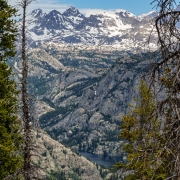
[
  {"x": 45, "y": 5},
  {"x": 88, "y": 12},
  {"x": 48, "y": 5}
]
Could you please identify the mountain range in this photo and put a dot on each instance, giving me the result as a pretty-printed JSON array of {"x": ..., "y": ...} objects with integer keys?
[
  {"x": 82, "y": 96},
  {"x": 83, "y": 73},
  {"x": 121, "y": 29}
]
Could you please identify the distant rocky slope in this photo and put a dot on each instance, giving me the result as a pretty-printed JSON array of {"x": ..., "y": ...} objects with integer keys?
[
  {"x": 83, "y": 72},
  {"x": 81, "y": 96},
  {"x": 55, "y": 161},
  {"x": 121, "y": 29}
]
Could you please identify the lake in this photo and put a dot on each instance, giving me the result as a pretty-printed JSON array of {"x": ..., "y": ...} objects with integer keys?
[{"x": 100, "y": 159}]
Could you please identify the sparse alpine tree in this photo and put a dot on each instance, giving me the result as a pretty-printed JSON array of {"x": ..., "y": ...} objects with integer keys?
[
  {"x": 141, "y": 131},
  {"x": 167, "y": 73}
]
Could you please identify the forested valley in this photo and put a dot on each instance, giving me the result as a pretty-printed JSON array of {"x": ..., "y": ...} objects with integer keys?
[{"x": 106, "y": 86}]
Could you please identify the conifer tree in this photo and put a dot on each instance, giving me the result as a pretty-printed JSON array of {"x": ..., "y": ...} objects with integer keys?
[
  {"x": 141, "y": 131},
  {"x": 10, "y": 137},
  {"x": 8, "y": 30}
]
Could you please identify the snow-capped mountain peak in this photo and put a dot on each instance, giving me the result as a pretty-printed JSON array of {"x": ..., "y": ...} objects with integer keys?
[
  {"x": 73, "y": 15},
  {"x": 151, "y": 14},
  {"x": 54, "y": 13},
  {"x": 36, "y": 13},
  {"x": 54, "y": 20},
  {"x": 124, "y": 13},
  {"x": 121, "y": 28},
  {"x": 72, "y": 11}
]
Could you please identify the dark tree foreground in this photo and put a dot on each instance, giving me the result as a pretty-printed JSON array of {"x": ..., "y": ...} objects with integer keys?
[
  {"x": 166, "y": 72},
  {"x": 11, "y": 140}
]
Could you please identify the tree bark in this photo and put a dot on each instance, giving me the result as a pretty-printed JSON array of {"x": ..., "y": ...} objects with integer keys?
[{"x": 26, "y": 112}]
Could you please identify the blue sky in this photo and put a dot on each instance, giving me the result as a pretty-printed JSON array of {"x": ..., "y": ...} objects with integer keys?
[
  {"x": 88, "y": 7},
  {"x": 137, "y": 7}
]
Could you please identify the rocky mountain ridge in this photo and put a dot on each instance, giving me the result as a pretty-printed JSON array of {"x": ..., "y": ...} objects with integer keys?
[
  {"x": 81, "y": 96},
  {"x": 121, "y": 29},
  {"x": 89, "y": 107}
]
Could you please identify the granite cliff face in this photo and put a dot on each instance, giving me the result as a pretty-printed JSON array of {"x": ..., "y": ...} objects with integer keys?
[
  {"x": 81, "y": 96},
  {"x": 89, "y": 107},
  {"x": 59, "y": 162}
]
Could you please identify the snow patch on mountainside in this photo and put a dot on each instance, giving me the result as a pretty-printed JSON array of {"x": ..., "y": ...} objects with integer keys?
[
  {"x": 151, "y": 14},
  {"x": 46, "y": 35},
  {"x": 121, "y": 28}
]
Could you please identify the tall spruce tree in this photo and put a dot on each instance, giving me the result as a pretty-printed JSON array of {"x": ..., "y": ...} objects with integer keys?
[
  {"x": 10, "y": 137},
  {"x": 141, "y": 131},
  {"x": 8, "y": 30}
]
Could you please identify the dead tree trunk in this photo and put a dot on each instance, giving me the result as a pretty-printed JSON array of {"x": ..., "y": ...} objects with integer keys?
[
  {"x": 27, "y": 132},
  {"x": 27, "y": 129}
]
